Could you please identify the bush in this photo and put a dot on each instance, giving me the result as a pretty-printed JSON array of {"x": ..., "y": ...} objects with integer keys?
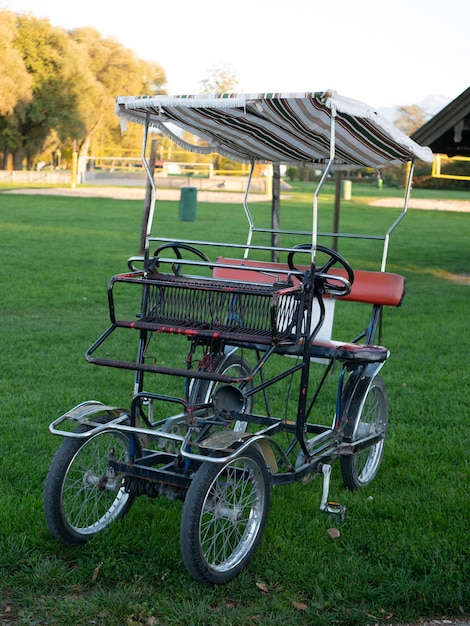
[{"x": 292, "y": 173}]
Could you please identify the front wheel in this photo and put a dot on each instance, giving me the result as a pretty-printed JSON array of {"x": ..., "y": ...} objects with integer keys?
[
  {"x": 224, "y": 516},
  {"x": 81, "y": 496},
  {"x": 369, "y": 416}
]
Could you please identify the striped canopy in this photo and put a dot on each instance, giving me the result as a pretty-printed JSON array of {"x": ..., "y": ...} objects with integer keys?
[{"x": 279, "y": 128}]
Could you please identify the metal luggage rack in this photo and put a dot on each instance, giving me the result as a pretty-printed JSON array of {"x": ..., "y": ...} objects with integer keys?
[
  {"x": 261, "y": 304},
  {"x": 217, "y": 309},
  {"x": 205, "y": 309}
]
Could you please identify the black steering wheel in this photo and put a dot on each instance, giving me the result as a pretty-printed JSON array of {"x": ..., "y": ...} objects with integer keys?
[
  {"x": 177, "y": 247},
  {"x": 332, "y": 287}
]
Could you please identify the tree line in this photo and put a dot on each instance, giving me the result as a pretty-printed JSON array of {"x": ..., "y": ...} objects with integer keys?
[{"x": 58, "y": 89}]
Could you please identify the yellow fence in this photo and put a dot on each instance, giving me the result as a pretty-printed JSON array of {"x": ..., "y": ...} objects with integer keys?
[{"x": 442, "y": 159}]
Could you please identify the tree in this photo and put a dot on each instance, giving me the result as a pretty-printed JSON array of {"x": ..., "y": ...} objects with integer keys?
[
  {"x": 220, "y": 79},
  {"x": 15, "y": 86},
  {"x": 15, "y": 82},
  {"x": 53, "y": 63},
  {"x": 64, "y": 86},
  {"x": 410, "y": 118},
  {"x": 116, "y": 71}
]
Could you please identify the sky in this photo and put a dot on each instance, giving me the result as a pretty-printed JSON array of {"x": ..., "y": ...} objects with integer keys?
[{"x": 382, "y": 52}]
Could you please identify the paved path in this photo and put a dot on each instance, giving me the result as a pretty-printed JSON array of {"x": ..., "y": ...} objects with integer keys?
[
  {"x": 138, "y": 193},
  {"x": 461, "y": 206}
]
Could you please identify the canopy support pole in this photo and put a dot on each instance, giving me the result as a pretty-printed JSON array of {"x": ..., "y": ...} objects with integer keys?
[
  {"x": 322, "y": 182},
  {"x": 410, "y": 171},
  {"x": 150, "y": 209},
  {"x": 148, "y": 197}
]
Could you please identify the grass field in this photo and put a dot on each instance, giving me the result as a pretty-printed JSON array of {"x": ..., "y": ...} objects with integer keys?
[{"x": 404, "y": 550}]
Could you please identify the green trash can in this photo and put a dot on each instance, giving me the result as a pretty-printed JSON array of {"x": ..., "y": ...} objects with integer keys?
[
  {"x": 188, "y": 204},
  {"x": 380, "y": 182},
  {"x": 346, "y": 189}
]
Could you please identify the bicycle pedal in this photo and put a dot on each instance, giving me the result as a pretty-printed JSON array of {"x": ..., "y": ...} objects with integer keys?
[{"x": 336, "y": 509}]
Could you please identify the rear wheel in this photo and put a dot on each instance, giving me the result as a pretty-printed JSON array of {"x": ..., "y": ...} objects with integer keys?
[
  {"x": 81, "y": 495},
  {"x": 368, "y": 414},
  {"x": 224, "y": 516}
]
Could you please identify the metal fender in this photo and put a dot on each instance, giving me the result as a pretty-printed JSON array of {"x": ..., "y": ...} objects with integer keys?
[
  {"x": 268, "y": 455},
  {"x": 354, "y": 394},
  {"x": 82, "y": 413}
]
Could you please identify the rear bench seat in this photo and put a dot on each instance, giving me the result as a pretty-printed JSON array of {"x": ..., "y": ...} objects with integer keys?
[{"x": 376, "y": 288}]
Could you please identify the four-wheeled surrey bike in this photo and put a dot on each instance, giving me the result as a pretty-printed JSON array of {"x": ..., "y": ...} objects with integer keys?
[{"x": 255, "y": 323}]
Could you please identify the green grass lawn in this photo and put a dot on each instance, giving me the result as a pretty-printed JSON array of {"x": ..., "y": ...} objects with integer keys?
[{"x": 404, "y": 550}]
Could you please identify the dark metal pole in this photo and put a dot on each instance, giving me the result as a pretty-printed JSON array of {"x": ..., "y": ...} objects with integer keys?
[
  {"x": 275, "y": 212},
  {"x": 334, "y": 242}
]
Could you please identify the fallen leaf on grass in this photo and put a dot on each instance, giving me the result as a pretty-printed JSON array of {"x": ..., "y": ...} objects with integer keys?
[
  {"x": 262, "y": 587},
  {"x": 96, "y": 571},
  {"x": 299, "y": 605},
  {"x": 334, "y": 533}
]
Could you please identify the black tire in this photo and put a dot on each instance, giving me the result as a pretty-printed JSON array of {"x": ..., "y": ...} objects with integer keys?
[
  {"x": 224, "y": 517},
  {"x": 203, "y": 390},
  {"x": 368, "y": 414},
  {"x": 77, "y": 503}
]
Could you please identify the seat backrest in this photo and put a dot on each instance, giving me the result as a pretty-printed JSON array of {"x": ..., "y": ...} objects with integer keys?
[{"x": 381, "y": 288}]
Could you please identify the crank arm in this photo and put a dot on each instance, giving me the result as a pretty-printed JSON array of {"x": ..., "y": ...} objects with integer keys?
[{"x": 326, "y": 506}]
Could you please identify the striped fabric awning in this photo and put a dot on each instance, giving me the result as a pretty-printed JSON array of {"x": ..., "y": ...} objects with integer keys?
[{"x": 279, "y": 128}]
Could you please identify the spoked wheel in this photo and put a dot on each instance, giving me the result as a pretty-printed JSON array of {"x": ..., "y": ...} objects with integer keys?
[
  {"x": 224, "y": 516},
  {"x": 371, "y": 418},
  {"x": 81, "y": 497}
]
